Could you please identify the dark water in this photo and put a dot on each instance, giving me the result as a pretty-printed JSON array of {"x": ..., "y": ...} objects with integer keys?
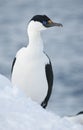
[{"x": 63, "y": 45}]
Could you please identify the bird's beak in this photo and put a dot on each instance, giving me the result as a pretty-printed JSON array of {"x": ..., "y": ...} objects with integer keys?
[{"x": 52, "y": 24}]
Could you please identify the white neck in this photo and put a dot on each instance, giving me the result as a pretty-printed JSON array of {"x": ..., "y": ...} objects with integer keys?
[{"x": 35, "y": 40}]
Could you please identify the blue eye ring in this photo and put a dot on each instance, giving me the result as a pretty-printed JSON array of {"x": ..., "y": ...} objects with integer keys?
[{"x": 44, "y": 22}]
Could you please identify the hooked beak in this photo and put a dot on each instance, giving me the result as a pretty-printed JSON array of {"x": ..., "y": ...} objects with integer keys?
[{"x": 52, "y": 24}]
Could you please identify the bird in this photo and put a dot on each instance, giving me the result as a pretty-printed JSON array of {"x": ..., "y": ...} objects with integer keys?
[
  {"x": 77, "y": 118},
  {"x": 32, "y": 68}
]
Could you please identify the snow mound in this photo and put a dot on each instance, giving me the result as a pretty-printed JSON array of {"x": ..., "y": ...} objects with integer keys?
[
  {"x": 17, "y": 112},
  {"x": 4, "y": 81}
]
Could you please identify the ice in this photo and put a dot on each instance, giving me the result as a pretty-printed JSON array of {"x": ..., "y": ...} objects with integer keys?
[{"x": 17, "y": 112}]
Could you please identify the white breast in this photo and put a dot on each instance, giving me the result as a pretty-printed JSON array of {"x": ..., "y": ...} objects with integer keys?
[{"x": 29, "y": 74}]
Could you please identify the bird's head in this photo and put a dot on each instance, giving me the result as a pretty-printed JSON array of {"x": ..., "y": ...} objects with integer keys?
[{"x": 42, "y": 22}]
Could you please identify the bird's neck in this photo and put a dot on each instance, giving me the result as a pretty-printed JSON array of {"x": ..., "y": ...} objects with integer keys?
[{"x": 35, "y": 40}]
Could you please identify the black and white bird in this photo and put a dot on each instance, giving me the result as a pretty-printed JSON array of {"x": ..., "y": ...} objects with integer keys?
[{"x": 31, "y": 68}]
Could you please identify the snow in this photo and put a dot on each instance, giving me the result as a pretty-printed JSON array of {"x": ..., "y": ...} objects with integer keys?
[{"x": 17, "y": 112}]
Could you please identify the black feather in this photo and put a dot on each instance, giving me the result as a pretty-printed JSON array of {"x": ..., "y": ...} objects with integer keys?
[
  {"x": 49, "y": 76},
  {"x": 81, "y": 112},
  {"x": 13, "y": 64},
  {"x": 40, "y": 18}
]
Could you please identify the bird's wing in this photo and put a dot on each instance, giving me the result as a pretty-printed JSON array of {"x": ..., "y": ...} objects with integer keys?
[
  {"x": 49, "y": 77},
  {"x": 13, "y": 64},
  {"x": 79, "y": 113}
]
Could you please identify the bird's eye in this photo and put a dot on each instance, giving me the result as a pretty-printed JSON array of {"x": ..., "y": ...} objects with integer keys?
[{"x": 44, "y": 22}]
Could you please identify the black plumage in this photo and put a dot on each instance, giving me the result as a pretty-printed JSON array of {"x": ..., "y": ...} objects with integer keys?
[
  {"x": 81, "y": 112},
  {"x": 49, "y": 77},
  {"x": 13, "y": 64}
]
